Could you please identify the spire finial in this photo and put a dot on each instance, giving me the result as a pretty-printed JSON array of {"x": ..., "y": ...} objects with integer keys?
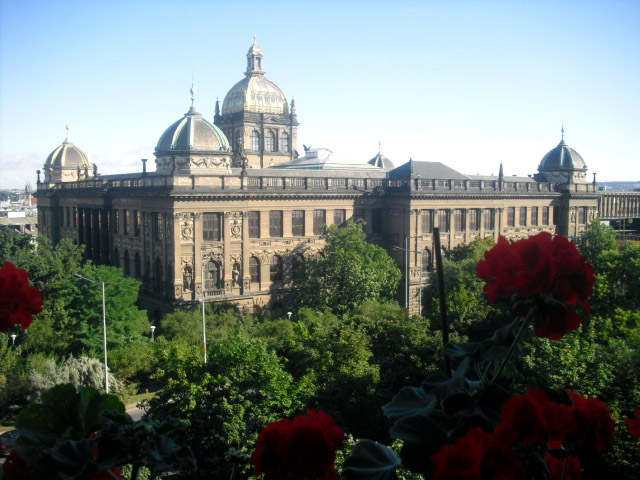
[
  {"x": 379, "y": 146},
  {"x": 68, "y": 139},
  {"x": 562, "y": 130},
  {"x": 192, "y": 90},
  {"x": 255, "y": 39}
]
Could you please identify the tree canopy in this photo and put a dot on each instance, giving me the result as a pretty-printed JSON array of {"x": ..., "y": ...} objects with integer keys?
[{"x": 350, "y": 272}]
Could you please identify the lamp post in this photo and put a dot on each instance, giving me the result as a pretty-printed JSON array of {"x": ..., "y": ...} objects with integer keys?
[
  {"x": 13, "y": 340},
  {"x": 104, "y": 328},
  {"x": 153, "y": 328},
  {"x": 289, "y": 315},
  {"x": 203, "y": 250}
]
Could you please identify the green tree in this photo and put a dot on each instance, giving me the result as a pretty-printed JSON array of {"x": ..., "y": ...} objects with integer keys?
[
  {"x": 351, "y": 272},
  {"x": 468, "y": 311},
  {"x": 226, "y": 402}
]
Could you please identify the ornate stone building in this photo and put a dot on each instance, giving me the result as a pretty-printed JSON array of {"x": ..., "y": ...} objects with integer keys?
[{"x": 233, "y": 223}]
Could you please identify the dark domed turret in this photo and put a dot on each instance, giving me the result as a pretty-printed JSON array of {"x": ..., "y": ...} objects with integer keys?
[
  {"x": 563, "y": 164},
  {"x": 64, "y": 163}
]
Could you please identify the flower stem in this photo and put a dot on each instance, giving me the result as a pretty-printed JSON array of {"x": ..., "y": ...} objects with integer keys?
[{"x": 516, "y": 341}]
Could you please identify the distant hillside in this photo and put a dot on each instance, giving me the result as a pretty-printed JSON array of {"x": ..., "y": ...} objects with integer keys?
[{"x": 620, "y": 186}]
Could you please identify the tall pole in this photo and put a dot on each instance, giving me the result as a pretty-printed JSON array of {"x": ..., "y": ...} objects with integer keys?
[
  {"x": 104, "y": 336},
  {"x": 204, "y": 320},
  {"x": 104, "y": 327}
]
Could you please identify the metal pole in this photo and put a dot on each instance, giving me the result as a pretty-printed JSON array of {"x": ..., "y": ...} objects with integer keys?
[
  {"x": 443, "y": 302},
  {"x": 104, "y": 334},
  {"x": 204, "y": 320}
]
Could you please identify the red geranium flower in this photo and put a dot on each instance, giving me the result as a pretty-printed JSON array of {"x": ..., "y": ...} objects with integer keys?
[
  {"x": 557, "y": 465},
  {"x": 478, "y": 455},
  {"x": 634, "y": 425},
  {"x": 525, "y": 416},
  {"x": 18, "y": 301},
  {"x": 594, "y": 425},
  {"x": 303, "y": 448},
  {"x": 16, "y": 468},
  {"x": 546, "y": 274}
]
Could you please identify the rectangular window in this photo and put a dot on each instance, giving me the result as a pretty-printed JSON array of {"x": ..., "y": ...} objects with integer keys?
[
  {"x": 211, "y": 227},
  {"x": 545, "y": 215},
  {"x": 339, "y": 217},
  {"x": 126, "y": 222},
  {"x": 137, "y": 221},
  {"x": 68, "y": 214},
  {"x": 319, "y": 219},
  {"x": 158, "y": 226},
  {"x": 474, "y": 219},
  {"x": 582, "y": 215},
  {"x": 254, "y": 224},
  {"x": 358, "y": 214},
  {"x": 458, "y": 220},
  {"x": 426, "y": 217},
  {"x": 376, "y": 220},
  {"x": 443, "y": 220},
  {"x": 116, "y": 221},
  {"x": 534, "y": 216},
  {"x": 297, "y": 223},
  {"x": 511, "y": 217},
  {"x": 489, "y": 219},
  {"x": 275, "y": 223},
  {"x": 523, "y": 217},
  {"x": 556, "y": 215}
]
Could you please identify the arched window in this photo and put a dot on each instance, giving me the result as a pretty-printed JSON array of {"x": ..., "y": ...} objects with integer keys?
[
  {"x": 254, "y": 270},
  {"x": 255, "y": 141},
  {"x": 296, "y": 263},
  {"x": 212, "y": 276},
  {"x": 137, "y": 265},
  {"x": 116, "y": 257},
  {"x": 270, "y": 142},
  {"x": 427, "y": 261},
  {"x": 284, "y": 142},
  {"x": 127, "y": 263},
  {"x": 276, "y": 268},
  {"x": 157, "y": 274}
]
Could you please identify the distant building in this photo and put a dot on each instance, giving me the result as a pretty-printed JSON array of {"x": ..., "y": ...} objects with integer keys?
[{"x": 232, "y": 209}]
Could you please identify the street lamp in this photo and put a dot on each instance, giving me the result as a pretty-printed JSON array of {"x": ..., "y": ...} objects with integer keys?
[
  {"x": 289, "y": 315},
  {"x": 153, "y": 328},
  {"x": 13, "y": 340},
  {"x": 104, "y": 328}
]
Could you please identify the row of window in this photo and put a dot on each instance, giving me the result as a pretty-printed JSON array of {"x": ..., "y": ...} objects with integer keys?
[
  {"x": 281, "y": 144},
  {"x": 212, "y": 222},
  {"x": 135, "y": 270},
  {"x": 132, "y": 223},
  {"x": 478, "y": 217}
]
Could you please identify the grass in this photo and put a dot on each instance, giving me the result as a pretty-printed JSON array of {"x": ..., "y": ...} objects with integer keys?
[{"x": 138, "y": 398}]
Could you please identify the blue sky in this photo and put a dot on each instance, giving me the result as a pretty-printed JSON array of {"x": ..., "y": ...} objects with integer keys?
[{"x": 467, "y": 83}]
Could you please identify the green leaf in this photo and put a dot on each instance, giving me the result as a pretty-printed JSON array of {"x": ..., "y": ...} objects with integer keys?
[
  {"x": 371, "y": 461},
  {"x": 410, "y": 401}
]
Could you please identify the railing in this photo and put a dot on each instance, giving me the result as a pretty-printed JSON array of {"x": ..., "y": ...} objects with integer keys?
[
  {"x": 618, "y": 205},
  {"x": 237, "y": 182}
]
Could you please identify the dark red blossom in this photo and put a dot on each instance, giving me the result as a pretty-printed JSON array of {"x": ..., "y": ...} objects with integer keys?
[
  {"x": 18, "y": 301},
  {"x": 303, "y": 448},
  {"x": 540, "y": 274},
  {"x": 567, "y": 468},
  {"x": 634, "y": 425},
  {"x": 525, "y": 416},
  {"x": 16, "y": 468},
  {"x": 478, "y": 455},
  {"x": 594, "y": 425}
]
